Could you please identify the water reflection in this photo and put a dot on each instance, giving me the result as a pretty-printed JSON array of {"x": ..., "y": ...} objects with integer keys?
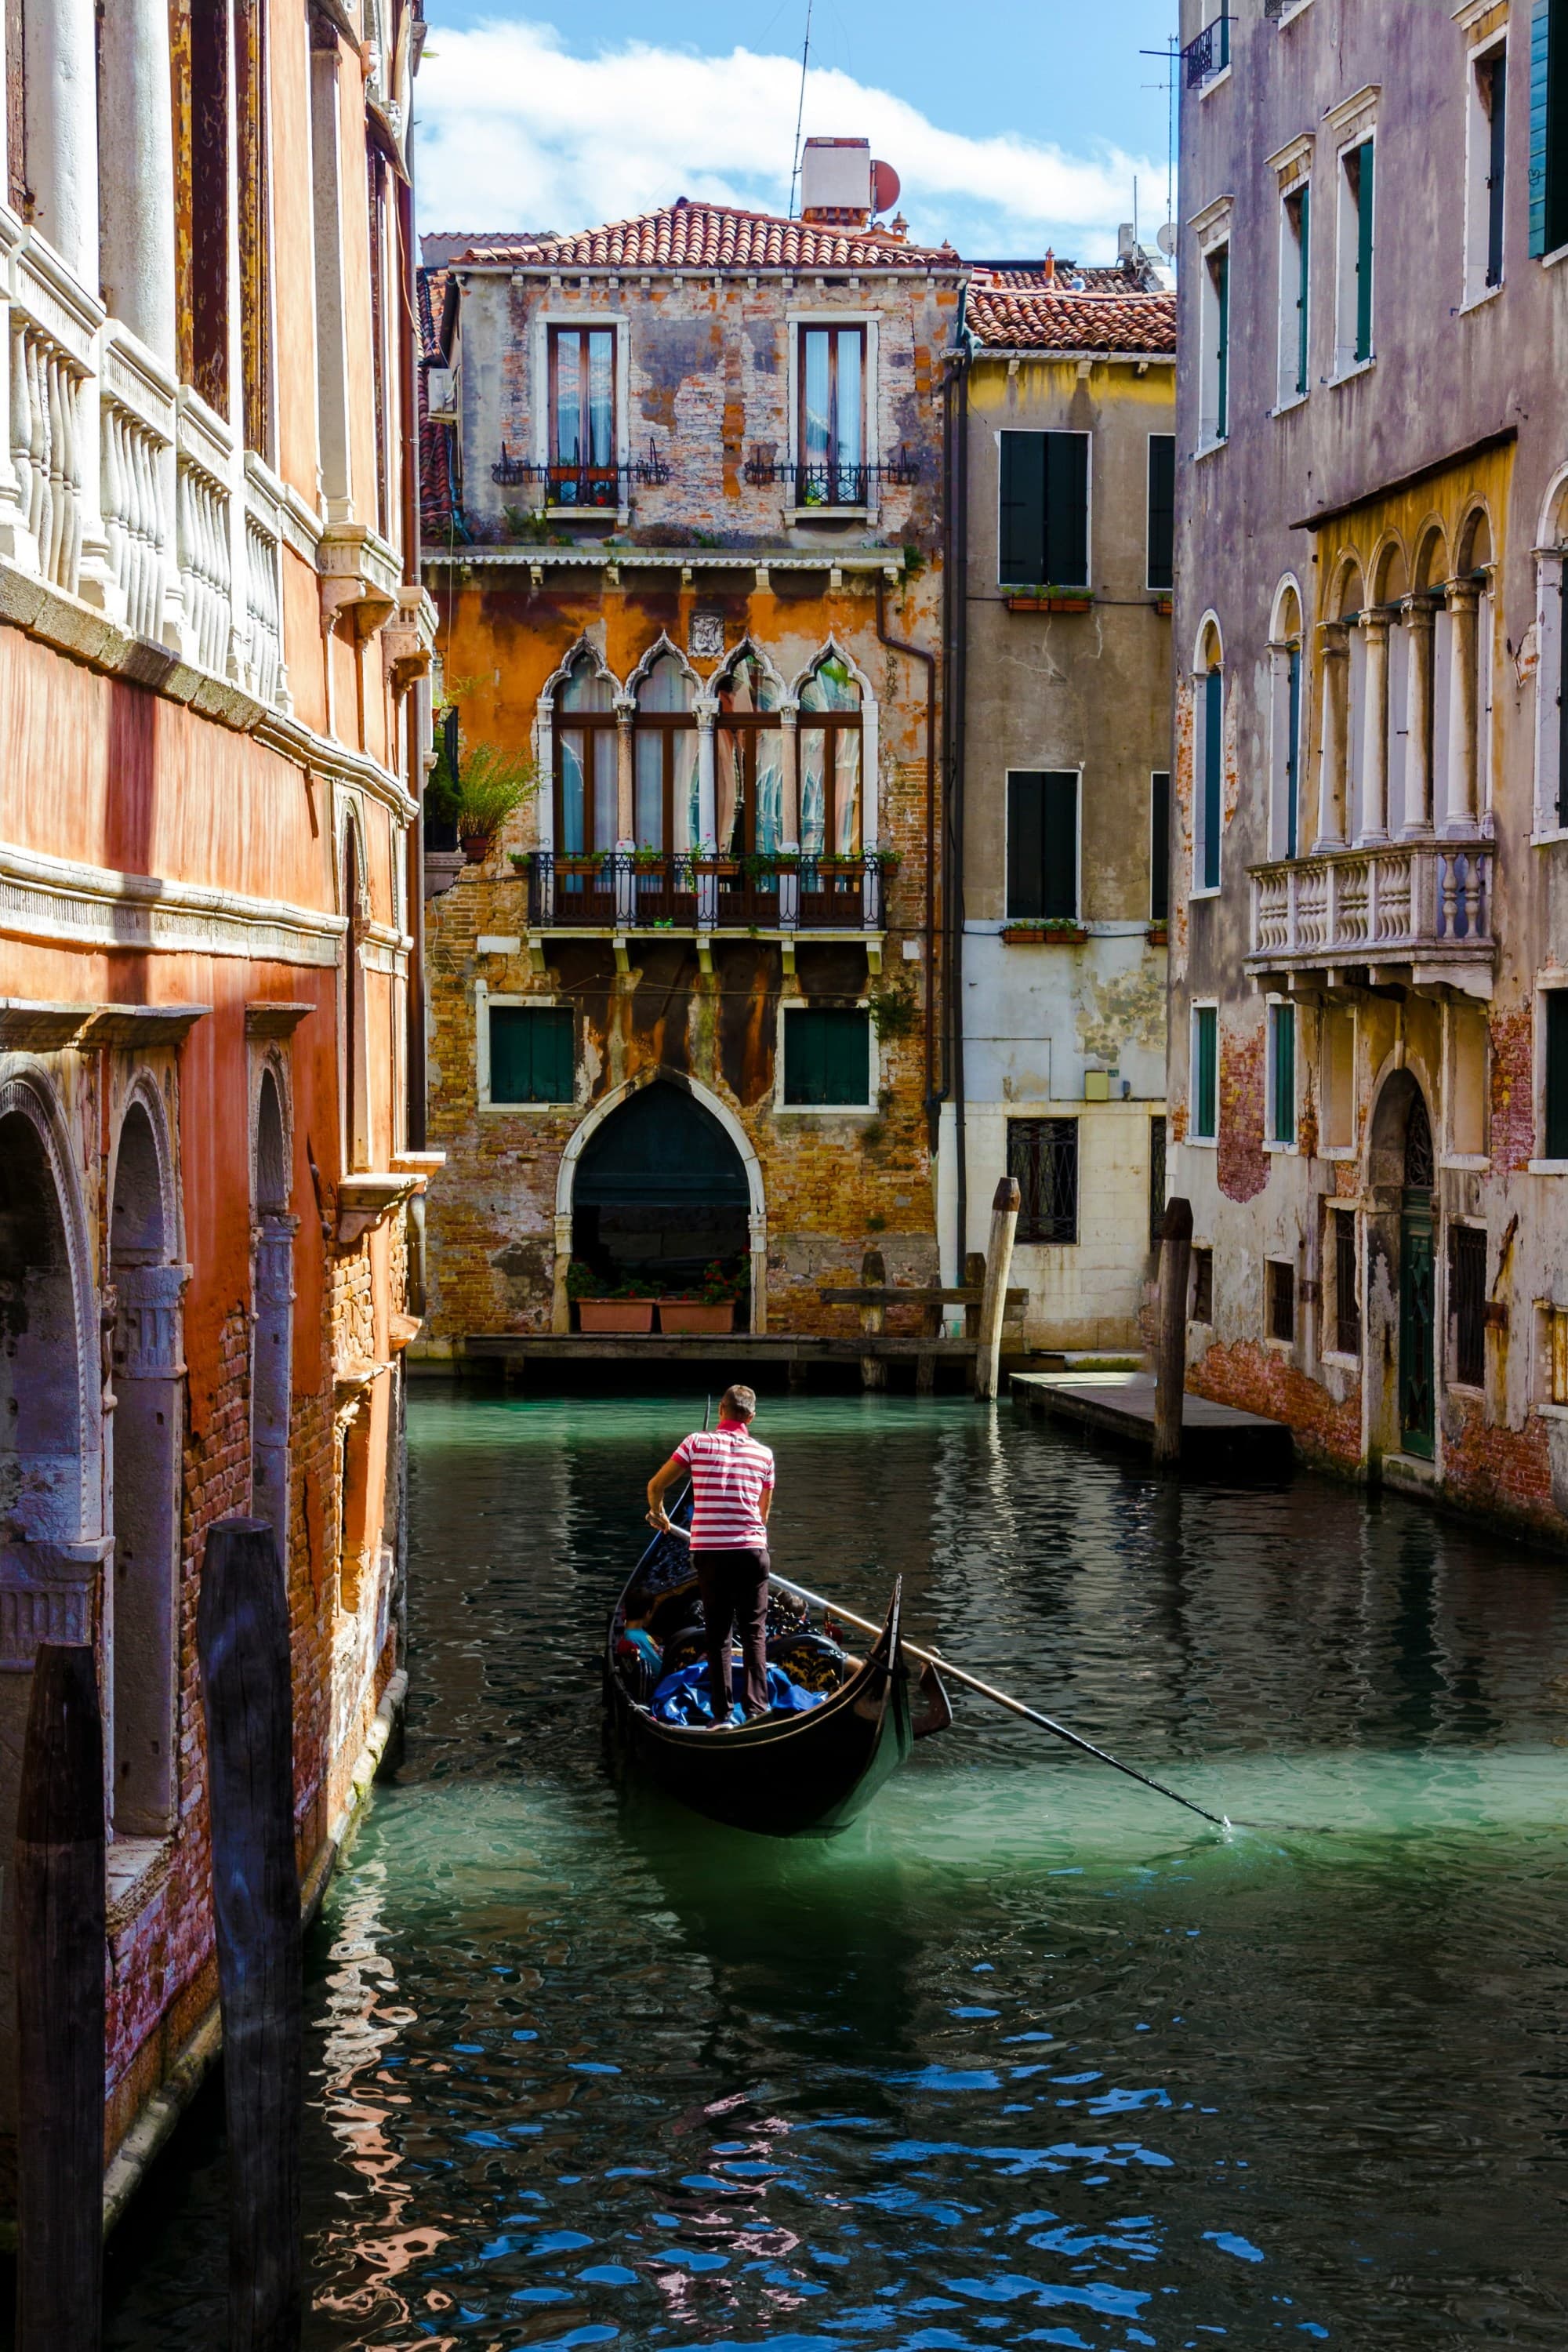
[{"x": 1028, "y": 2056}]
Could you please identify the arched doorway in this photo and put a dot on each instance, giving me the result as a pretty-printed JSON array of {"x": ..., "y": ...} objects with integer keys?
[
  {"x": 1402, "y": 1231},
  {"x": 659, "y": 1192}
]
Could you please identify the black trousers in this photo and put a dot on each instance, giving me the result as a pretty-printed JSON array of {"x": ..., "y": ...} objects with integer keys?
[{"x": 735, "y": 1589}]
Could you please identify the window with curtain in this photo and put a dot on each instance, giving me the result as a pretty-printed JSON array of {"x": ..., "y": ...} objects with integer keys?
[
  {"x": 830, "y": 779},
  {"x": 583, "y": 417},
  {"x": 832, "y": 453},
  {"x": 749, "y": 761},
  {"x": 1042, "y": 844},
  {"x": 665, "y": 806},
  {"x": 586, "y": 797}
]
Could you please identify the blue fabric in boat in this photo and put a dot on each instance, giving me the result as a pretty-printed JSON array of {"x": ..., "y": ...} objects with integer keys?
[{"x": 685, "y": 1697}]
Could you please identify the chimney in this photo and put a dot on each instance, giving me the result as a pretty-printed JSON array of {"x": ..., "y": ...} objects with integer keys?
[
  {"x": 1049, "y": 272},
  {"x": 841, "y": 187}
]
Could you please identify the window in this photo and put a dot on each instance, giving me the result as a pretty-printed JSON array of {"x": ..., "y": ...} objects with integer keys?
[
  {"x": 1205, "y": 1073},
  {"x": 1336, "y": 1086},
  {"x": 1203, "y": 1286},
  {"x": 1467, "y": 1302},
  {"x": 1548, "y": 126},
  {"x": 665, "y": 814},
  {"x": 532, "y": 1054},
  {"x": 749, "y": 762},
  {"x": 1353, "y": 345},
  {"x": 826, "y": 1057},
  {"x": 1469, "y": 1037},
  {"x": 1487, "y": 140},
  {"x": 1156, "y": 1181},
  {"x": 1282, "y": 1074},
  {"x": 1347, "y": 1313},
  {"x": 1554, "y": 1352},
  {"x": 1042, "y": 844},
  {"x": 1161, "y": 510},
  {"x": 583, "y": 470},
  {"x": 1285, "y": 726},
  {"x": 831, "y": 442},
  {"x": 587, "y": 789},
  {"x": 1554, "y": 1003},
  {"x": 1295, "y": 280},
  {"x": 829, "y": 738},
  {"x": 1042, "y": 1153},
  {"x": 1160, "y": 846},
  {"x": 1214, "y": 374},
  {"x": 1281, "y": 1302},
  {"x": 1043, "y": 536},
  {"x": 1209, "y": 750}
]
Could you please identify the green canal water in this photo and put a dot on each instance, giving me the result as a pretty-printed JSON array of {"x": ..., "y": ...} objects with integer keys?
[{"x": 1028, "y": 2057}]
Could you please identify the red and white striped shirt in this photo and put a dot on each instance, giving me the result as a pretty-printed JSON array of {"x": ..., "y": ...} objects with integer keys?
[{"x": 730, "y": 1473}]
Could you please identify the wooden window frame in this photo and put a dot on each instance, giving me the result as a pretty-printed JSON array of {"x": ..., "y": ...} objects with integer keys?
[
  {"x": 832, "y": 463},
  {"x": 832, "y": 724},
  {"x": 566, "y": 722},
  {"x": 560, "y": 467}
]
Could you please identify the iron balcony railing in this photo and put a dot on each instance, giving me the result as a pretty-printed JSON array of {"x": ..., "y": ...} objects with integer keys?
[
  {"x": 831, "y": 485},
  {"x": 575, "y": 485},
  {"x": 678, "y": 891},
  {"x": 1210, "y": 54}
]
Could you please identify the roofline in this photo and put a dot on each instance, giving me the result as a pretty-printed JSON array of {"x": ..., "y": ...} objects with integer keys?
[
  {"x": 619, "y": 269},
  {"x": 984, "y": 350},
  {"x": 888, "y": 561}
]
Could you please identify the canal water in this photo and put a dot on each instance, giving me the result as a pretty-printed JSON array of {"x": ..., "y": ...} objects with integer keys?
[{"x": 1028, "y": 2056}]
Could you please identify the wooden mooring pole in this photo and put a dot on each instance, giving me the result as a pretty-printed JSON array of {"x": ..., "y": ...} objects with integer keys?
[
  {"x": 1171, "y": 1345},
  {"x": 242, "y": 1639},
  {"x": 60, "y": 1898},
  {"x": 994, "y": 1296},
  {"x": 873, "y": 1275}
]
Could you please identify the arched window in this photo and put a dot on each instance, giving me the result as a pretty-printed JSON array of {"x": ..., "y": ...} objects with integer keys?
[
  {"x": 586, "y": 792},
  {"x": 1434, "y": 650},
  {"x": 1209, "y": 750},
  {"x": 665, "y": 806},
  {"x": 749, "y": 763},
  {"x": 1285, "y": 731},
  {"x": 830, "y": 765},
  {"x": 1551, "y": 672},
  {"x": 1390, "y": 594},
  {"x": 1475, "y": 598}
]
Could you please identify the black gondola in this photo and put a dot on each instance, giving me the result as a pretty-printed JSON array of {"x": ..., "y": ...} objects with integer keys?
[{"x": 804, "y": 1775}]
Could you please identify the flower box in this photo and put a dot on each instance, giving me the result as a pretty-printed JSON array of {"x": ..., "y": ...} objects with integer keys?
[
  {"x": 1162, "y": 604},
  {"x": 579, "y": 864},
  {"x": 1158, "y": 935},
  {"x": 1044, "y": 935},
  {"x": 718, "y": 866},
  {"x": 1050, "y": 603},
  {"x": 625, "y": 1316},
  {"x": 693, "y": 1315}
]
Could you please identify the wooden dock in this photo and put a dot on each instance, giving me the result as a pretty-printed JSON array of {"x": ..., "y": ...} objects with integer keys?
[
  {"x": 1217, "y": 1439},
  {"x": 922, "y": 1362}
]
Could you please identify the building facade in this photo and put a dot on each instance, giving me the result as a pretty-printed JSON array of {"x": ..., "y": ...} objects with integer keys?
[
  {"x": 1061, "y": 772},
  {"x": 1369, "y": 942},
  {"x": 212, "y": 632},
  {"x": 683, "y": 481}
]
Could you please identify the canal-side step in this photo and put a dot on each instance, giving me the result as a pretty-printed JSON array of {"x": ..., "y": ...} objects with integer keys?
[{"x": 1217, "y": 1439}]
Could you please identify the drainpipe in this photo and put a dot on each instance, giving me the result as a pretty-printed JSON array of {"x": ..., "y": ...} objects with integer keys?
[
  {"x": 415, "y": 724},
  {"x": 919, "y": 653},
  {"x": 955, "y": 437}
]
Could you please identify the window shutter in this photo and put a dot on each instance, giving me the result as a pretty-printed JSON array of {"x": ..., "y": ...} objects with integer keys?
[
  {"x": 1042, "y": 846},
  {"x": 827, "y": 1056},
  {"x": 1161, "y": 508},
  {"x": 1205, "y": 1026},
  {"x": 1213, "y": 730},
  {"x": 1283, "y": 1123},
  {"x": 1159, "y": 849},
  {"x": 1556, "y": 1003},
  {"x": 1221, "y": 267},
  {"x": 1364, "y": 252},
  {"x": 1540, "y": 62},
  {"x": 1067, "y": 509},
  {"x": 1059, "y": 845},
  {"x": 532, "y": 1054},
  {"x": 1555, "y": 189},
  {"x": 1025, "y": 849},
  {"x": 1022, "y": 554},
  {"x": 1497, "y": 166},
  {"x": 1304, "y": 217}
]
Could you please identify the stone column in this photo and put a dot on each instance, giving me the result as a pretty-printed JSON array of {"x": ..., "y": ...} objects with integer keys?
[
  {"x": 136, "y": 144},
  {"x": 1419, "y": 621},
  {"x": 706, "y": 713},
  {"x": 1464, "y": 766},
  {"x": 271, "y": 1380},
  {"x": 1374, "y": 733},
  {"x": 789, "y": 812},
  {"x": 1331, "y": 768},
  {"x": 149, "y": 1422},
  {"x": 625, "y": 775},
  {"x": 62, "y": 131}
]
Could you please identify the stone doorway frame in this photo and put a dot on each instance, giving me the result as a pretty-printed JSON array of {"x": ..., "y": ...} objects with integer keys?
[
  {"x": 566, "y": 1182},
  {"x": 1398, "y": 1086}
]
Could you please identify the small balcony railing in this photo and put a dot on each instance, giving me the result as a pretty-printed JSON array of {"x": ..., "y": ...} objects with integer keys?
[
  {"x": 647, "y": 890},
  {"x": 576, "y": 484},
  {"x": 1422, "y": 907},
  {"x": 1207, "y": 56},
  {"x": 831, "y": 485}
]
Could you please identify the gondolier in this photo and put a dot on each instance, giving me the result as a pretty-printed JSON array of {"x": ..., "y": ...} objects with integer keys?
[{"x": 731, "y": 1492}]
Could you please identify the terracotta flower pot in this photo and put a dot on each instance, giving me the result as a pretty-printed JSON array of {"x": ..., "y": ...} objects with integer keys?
[
  {"x": 693, "y": 1316},
  {"x": 477, "y": 847},
  {"x": 625, "y": 1316}
]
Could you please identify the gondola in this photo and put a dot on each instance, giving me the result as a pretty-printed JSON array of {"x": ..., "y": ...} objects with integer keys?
[{"x": 791, "y": 1775}]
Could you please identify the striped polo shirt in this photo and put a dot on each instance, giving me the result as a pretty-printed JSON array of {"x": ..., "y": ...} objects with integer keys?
[{"x": 730, "y": 1471}]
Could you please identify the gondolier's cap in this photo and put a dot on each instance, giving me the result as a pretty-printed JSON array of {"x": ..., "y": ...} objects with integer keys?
[{"x": 739, "y": 1401}]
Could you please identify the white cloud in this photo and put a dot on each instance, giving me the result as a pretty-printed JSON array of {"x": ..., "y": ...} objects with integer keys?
[{"x": 517, "y": 132}]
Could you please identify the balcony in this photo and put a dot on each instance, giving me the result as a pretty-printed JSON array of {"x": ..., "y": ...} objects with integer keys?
[
  {"x": 627, "y": 890},
  {"x": 1205, "y": 59},
  {"x": 574, "y": 485},
  {"x": 831, "y": 486},
  {"x": 1418, "y": 913}
]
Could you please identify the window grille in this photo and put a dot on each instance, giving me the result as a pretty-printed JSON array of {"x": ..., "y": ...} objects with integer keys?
[
  {"x": 1347, "y": 1312},
  {"x": 1468, "y": 1302},
  {"x": 1282, "y": 1299},
  {"x": 1203, "y": 1286},
  {"x": 1156, "y": 1181},
  {"x": 1042, "y": 1153}
]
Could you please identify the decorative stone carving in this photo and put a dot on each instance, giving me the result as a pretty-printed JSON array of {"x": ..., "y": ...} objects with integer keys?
[
  {"x": 148, "y": 1300},
  {"x": 47, "y": 1595}
]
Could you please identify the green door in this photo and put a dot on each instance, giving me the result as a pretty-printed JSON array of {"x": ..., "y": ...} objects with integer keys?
[{"x": 1416, "y": 1324}]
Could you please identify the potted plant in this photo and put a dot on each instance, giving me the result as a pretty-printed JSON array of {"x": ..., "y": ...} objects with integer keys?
[
  {"x": 709, "y": 1308},
  {"x": 1055, "y": 930},
  {"x": 648, "y": 859},
  {"x": 620, "y": 1313},
  {"x": 1162, "y": 603},
  {"x": 887, "y": 860},
  {"x": 1050, "y": 600},
  {"x": 1158, "y": 935},
  {"x": 492, "y": 783},
  {"x": 592, "y": 861}
]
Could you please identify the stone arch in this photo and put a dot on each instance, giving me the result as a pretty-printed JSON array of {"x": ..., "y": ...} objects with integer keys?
[
  {"x": 592, "y": 1123},
  {"x": 663, "y": 644},
  {"x": 142, "y": 1605},
  {"x": 748, "y": 649},
  {"x": 1552, "y": 528},
  {"x": 584, "y": 645},
  {"x": 1348, "y": 593},
  {"x": 1402, "y": 1257},
  {"x": 1388, "y": 573},
  {"x": 871, "y": 733},
  {"x": 1208, "y": 644},
  {"x": 1285, "y": 620},
  {"x": 1473, "y": 542},
  {"x": 1431, "y": 556},
  {"x": 51, "y": 1481}
]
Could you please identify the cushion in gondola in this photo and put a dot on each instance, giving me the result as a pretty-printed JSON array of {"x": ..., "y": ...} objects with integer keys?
[
  {"x": 684, "y": 1698},
  {"x": 811, "y": 1660}
]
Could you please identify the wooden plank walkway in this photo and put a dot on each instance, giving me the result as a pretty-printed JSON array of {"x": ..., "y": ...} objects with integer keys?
[{"x": 1216, "y": 1439}]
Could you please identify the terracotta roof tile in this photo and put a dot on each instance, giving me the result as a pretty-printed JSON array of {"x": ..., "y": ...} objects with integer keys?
[
  {"x": 686, "y": 236},
  {"x": 1014, "y": 318}
]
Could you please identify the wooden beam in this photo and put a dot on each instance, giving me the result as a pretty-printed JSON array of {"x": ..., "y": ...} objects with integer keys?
[{"x": 867, "y": 1295}]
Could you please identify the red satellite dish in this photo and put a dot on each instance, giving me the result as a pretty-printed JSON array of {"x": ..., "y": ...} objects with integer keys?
[{"x": 884, "y": 187}]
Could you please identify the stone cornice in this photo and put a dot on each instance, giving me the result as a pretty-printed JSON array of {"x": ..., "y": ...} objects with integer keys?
[{"x": 71, "y": 905}]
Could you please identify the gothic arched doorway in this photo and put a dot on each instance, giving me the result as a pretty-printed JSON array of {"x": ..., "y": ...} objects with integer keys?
[
  {"x": 1402, "y": 1185},
  {"x": 660, "y": 1193}
]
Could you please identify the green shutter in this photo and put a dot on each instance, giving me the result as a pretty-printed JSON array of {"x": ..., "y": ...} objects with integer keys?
[
  {"x": 1021, "y": 560},
  {"x": 532, "y": 1054},
  {"x": 827, "y": 1057},
  {"x": 1206, "y": 1092},
  {"x": 1160, "y": 850},
  {"x": 1556, "y": 1002},
  {"x": 1161, "y": 508},
  {"x": 1221, "y": 267},
  {"x": 1364, "y": 251},
  {"x": 1214, "y": 747},
  {"x": 1283, "y": 1122},
  {"x": 1304, "y": 217},
  {"x": 1497, "y": 172},
  {"x": 1548, "y": 126},
  {"x": 1067, "y": 509}
]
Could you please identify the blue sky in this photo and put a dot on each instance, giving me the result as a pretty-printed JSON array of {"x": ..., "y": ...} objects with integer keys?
[{"x": 1025, "y": 132}]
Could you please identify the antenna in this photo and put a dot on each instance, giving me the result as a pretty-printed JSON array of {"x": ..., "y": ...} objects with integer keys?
[
  {"x": 1172, "y": 55},
  {"x": 800, "y": 110}
]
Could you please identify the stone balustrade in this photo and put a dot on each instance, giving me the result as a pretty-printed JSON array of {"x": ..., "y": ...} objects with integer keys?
[{"x": 1420, "y": 911}]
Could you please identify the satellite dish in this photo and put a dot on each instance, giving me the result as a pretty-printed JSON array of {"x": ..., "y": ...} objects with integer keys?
[
  {"x": 884, "y": 187},
  {"x": 1166, "y": 240}
]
